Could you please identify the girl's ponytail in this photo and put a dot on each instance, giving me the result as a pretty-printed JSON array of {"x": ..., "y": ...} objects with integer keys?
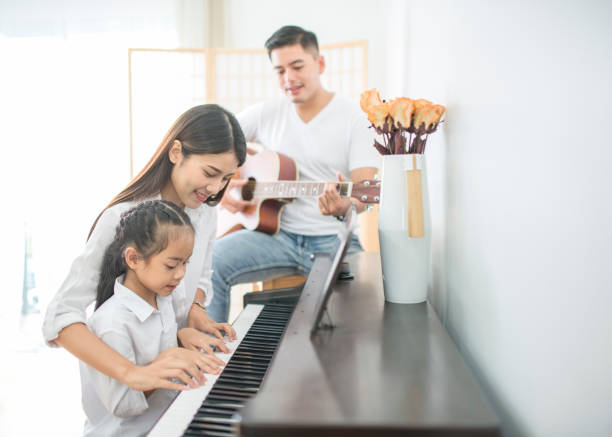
[{"x": 113, "y": 265}]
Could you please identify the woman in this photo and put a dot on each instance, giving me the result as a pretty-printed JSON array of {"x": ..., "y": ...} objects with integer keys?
[{"x": 191, "y": 168}]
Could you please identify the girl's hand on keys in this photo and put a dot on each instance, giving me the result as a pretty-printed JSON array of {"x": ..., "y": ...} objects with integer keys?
[
  {"x": 185, "y": 365},
  {"x": 194, "y": 340}
]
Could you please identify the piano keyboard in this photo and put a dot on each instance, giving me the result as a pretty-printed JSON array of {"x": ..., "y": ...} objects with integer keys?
[{"x": 210, "y": 410}]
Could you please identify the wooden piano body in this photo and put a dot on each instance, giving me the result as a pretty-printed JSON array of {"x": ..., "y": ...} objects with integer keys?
[{"x": 384, "y": 369}]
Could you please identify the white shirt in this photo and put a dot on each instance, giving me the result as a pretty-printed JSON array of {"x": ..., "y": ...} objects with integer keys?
[
  {"x": 139, "y": 332},
  {"x": 336, "y": 139},
  {"x": 79, "y": 288}
]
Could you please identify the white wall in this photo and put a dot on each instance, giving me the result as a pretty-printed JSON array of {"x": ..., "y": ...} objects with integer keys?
[
  {"x": 521, "y": 197},
  {"x": 519, "y": 184}
]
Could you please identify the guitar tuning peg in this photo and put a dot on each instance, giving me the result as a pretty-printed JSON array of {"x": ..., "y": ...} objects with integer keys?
[
  {"x": 366, "y": 183},
  {"x": 369, "y": 207},
  {"x": 376, "y": 199},
  {"x": 364, "y": 198}
]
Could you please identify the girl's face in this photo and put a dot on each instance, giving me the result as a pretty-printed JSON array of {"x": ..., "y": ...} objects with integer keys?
[
  {"x": 162, "y": 272},
  {"x": 197, "y": 177}
]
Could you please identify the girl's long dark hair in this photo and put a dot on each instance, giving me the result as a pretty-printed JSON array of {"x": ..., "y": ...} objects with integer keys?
[
  {"x": 202, "y": 130},
  {"x": 145, "y": 227}
]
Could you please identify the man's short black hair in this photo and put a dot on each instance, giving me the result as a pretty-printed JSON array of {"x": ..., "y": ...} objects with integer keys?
[{"x": 291, "y": 35}]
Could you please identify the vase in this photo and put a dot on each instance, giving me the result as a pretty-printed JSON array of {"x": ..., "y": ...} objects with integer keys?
[{"x": 404, "y": 228}]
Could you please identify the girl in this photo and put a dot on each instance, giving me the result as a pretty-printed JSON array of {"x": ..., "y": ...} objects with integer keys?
[
  {"x": 142, "y": 267},
  {"x": 191, "y": 168}
]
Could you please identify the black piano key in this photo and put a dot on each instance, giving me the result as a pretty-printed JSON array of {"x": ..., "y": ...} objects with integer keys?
[
  {"x": 200, "y": 433},
  {"x": 246, "y": 371},
  {"x": 222, "y": 397},
  {"x": 239, "y": 382},
  {"x": 212, "y": 412},
  {"x": 247, "y": 367},
  {"x": 253, "y": 367},
  {"x": 211, "y": 426},
  {"x": 244, "y": 376},
  {"x": 228, "y": 405},
  {"x": 251, "y": 390},
  {"x": 256, "y": 345},
  {"x": 235, "y": 393},
  {"x": 218, "y": 407}
]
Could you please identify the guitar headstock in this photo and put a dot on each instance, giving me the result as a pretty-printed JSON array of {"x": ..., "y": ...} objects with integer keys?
[{"x": 366, "y": 191}]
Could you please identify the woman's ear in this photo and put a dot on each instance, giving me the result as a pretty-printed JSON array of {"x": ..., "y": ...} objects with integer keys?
[
  {"x": 132, "y": 257},
  {"x": 175, "y": 153}
]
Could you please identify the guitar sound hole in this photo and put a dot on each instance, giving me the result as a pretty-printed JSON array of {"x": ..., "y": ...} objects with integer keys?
[{"x": 247, "y": 189}]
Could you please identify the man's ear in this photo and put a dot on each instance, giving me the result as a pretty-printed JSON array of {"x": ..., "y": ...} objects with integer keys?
[
  {"x": 132, "y": 257},
  {"x": 175, "y": 153},
  {"x": 321, "y": 62}
]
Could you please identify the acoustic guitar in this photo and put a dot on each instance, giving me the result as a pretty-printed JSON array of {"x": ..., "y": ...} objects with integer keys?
[{"x": 273, "y": 182}]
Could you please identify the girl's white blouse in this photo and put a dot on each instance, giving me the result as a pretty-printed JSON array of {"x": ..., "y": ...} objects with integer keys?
[
  {"x": 78, "y": 291},
  {"x": 139, "y": 332}
]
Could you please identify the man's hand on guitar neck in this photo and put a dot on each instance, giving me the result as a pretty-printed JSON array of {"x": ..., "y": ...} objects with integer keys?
[
  {"x": 330, "y": 202},
  {"x": 231, "y": 203}
]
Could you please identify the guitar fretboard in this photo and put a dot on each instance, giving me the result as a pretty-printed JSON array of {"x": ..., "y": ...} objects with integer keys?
[{"x": 287, "y": 189}]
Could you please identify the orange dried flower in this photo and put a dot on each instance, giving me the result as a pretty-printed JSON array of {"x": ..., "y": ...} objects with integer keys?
[
  {"x": 369, "y": 98},
  {"x": 377, "y": 114},
  {"x": 401, "y": 110},
  {"x": 428, "y": 115}
]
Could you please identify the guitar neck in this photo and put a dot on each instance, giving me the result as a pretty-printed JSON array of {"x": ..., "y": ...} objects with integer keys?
[{"x": 291, "y": 189}]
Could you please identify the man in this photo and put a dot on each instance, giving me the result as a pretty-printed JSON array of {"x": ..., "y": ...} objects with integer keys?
[{"x": 328, "y": 137}]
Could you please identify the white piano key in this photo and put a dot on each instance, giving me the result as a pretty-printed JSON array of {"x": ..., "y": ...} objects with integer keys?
[{"x": 177, "y": 418}]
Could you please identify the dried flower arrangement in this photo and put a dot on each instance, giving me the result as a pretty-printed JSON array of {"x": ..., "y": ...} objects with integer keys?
[{"x": 396, "y": 118}]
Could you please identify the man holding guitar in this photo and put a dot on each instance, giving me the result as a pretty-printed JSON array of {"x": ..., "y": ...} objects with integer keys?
[{"x": 326, "y": 136}]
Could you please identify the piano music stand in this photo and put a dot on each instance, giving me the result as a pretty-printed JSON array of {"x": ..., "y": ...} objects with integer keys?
[{"x": 344, "y": 238}]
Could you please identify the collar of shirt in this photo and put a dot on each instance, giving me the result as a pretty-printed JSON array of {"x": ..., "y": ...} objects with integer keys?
[{"x": 140, "y": 307}]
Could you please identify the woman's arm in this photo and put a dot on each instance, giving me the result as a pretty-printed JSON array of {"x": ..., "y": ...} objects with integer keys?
[
  {"x": 196, "y": 315},
  {"x": 198, "y": 319},
  {"x": 173, "y": 363}
]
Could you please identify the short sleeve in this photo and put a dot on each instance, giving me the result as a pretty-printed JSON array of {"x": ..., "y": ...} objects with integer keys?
[
  {"x": 249, "y": 121},
  {"x": 205, "y": 281},
  {"x": 362, "y": 152}
]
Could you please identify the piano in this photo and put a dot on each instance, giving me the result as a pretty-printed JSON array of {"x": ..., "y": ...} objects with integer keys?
[{"x": 383, "y": 370}]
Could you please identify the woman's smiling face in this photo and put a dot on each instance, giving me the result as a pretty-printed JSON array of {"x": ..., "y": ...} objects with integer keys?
[{"x": 195, "y": 178}]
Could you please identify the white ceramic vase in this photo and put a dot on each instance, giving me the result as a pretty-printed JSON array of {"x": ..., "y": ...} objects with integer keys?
[{"x": 404, "y": 228}]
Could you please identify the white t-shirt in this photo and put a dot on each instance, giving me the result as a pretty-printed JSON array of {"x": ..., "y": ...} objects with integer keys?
[
  {"x": 79, "y": 288},
  {"x": 139, "y": 332},
  {"x": 336, "y": 139}
]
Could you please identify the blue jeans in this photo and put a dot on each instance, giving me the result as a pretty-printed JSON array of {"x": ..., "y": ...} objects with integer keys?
[{"x": 251, "y": 256}]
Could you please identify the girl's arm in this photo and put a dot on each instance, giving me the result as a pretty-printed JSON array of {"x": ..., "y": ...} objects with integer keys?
[{"x": 173, "y": 363}]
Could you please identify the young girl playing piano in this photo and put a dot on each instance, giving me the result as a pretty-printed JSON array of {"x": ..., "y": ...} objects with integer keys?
[
  {"x": 191, "y": 168},
  {"x": 142, "y": 267}
]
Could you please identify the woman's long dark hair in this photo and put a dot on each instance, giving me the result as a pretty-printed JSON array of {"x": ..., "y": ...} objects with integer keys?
[
  {"x": 202, "y": 130},
  {"x": 145, "y": 227}
]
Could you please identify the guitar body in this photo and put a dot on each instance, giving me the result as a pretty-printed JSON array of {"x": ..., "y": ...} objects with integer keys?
[{"x": 264, "y": 214}]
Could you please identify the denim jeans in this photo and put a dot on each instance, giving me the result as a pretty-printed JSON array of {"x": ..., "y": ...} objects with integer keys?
[{"x": 251, "y": 256}]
